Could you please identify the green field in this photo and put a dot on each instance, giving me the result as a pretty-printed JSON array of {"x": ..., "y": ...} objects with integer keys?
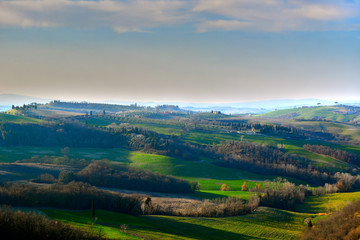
[
  {"x": 162, "y": 129},
  {"x": 334, "y": 113},
  {"x": 264, "y": 223},
  {"x": 322, "y": 204},
  {"x": 213, "y": 194},
  {"x": 17, "y": 119},
  {"x": 107, "y": 223},
  {"x": 189, "y": 169}
]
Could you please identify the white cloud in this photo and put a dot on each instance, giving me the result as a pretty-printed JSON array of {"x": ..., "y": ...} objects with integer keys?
[
  {"x": 280, "y": 15},
  {"x": 206, "y": 15},
  {"x": 120, "y": 16},
  {"x": 226, "y": 25}
]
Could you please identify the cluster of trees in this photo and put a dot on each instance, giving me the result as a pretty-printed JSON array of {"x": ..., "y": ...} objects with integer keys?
[
  {"x": 166, "y": 107},
  {"x": 25, "y": 106},
  {"x": 79, "y": 135},
  {"x": 95, "y": 106},
  {"x": 282, "y": 131},
  {"x": 278, "y": 130},
  {"x": 59, "y": 160},
  {"x": 343, "y": 224},
  {"x": 335, "y": 153},
  {"x": 16, "y": 225},
  {"x": 267, "y": 160},
  {"x": 78, "y": 196},
  {"x": 281, "y": 194},
  {"x": 220, "y": 207},
  {"x": 58, "y": 134},
  {"x": 75, "y": 196},
  {"x": 104, "y": 174}
]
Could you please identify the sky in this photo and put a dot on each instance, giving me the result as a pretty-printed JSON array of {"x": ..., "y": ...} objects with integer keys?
[{"x": 215, "y": 51}]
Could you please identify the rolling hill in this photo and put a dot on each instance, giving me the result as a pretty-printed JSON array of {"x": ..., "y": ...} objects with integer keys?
[
  {"x": 338, "y": 113},
  {"x": 17, "y": 119}
]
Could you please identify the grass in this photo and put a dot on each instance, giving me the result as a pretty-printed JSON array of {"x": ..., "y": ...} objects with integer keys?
[
  {"x": 321, "y": 204},
  {"x": 215, "y": 184},
  {"x": 264, "y": 223},
  {"x": 212, "y": 194},
  {"x": 161, "y": 129},
  {"x": 334, "y": 113},
  {"x": 189, "y": 169},
  {"x": 17, "y": 119},
  {"x": 159, "y": 126},
  {"x": 107, "y": 223}
]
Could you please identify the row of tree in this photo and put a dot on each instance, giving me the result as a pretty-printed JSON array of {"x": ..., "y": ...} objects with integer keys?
[
  {"x": 75, "y": 196},
  {"x": 267, "y": 160},
  {"x": 335, "y": 153}
]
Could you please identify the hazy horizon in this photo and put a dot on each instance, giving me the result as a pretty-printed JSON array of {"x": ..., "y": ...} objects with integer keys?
[
  {"x": 23, "y": 99},
  {"x": 180, "y": 51}
]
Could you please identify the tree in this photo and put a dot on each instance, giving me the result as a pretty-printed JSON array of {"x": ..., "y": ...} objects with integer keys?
[
  {"x": 66, "y": 177},
  {"x": 244, "y": 187},
  {"x": 310, "y": 225},
  {"x": 224, "y": 187}
]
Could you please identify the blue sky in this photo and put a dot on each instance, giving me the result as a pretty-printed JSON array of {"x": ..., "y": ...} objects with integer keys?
[{"x": 195, "y": 50}]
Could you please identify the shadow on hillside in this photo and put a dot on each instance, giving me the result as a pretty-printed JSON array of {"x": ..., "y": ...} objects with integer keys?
[
  {"x": 195, "y": 231},
  {"x": 206, "y": 195}
]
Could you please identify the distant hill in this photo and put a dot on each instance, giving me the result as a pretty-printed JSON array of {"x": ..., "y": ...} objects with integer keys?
[
  {"x": 85, "y": 107},
  {"x": 339, "y": 113},
  {"x": 14, "y": 99},
  {"x": 256, "y": 107}
]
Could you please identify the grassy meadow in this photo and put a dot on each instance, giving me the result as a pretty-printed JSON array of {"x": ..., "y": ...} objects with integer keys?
[
  {"x": 17, "y": 119},
  {"x": 264, "y": 223},
  {"x": 327, "y": 203},
  {"x": 334, "y": 113}
]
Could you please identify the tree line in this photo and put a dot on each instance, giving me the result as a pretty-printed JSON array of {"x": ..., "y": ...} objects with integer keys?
[
  {"x": 104, "y": 174},
  {"x": 335, "y": 153},
  {"x": 267, "y": 160},
  {"x": 74, "y": 195},
  {"x": 15, "y": 225}
]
